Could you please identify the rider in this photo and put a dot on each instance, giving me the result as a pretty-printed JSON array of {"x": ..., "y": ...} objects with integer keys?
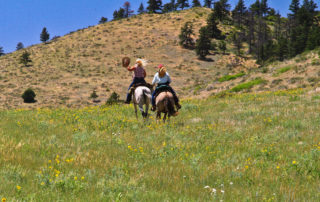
[
  {"x": 162, "y": 78},
  {"x": 139, "y": 73}
]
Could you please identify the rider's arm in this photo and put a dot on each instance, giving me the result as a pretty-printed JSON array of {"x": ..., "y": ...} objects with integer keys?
[
  {"x": 169, "y": 78},
  {"x": 130, "y": 69},
  {"x": 154, "y": 81}
]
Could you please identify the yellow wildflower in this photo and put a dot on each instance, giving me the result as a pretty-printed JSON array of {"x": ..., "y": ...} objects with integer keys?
[
  {"x": 42, "y": 183},
  {"x": 278, "y": 167},
  {"x": 75, "y": 178},
  {"x": 4, "y": 200},
  {"x": 294, "y": 162},
  {"x": 82, "y": 178},
  {"x": 18, "y": 187}
]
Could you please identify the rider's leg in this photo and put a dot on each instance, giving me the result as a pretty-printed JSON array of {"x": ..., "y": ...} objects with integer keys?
[
  {"x": 175, "y": 97},
  {"x": 153, "y": 101},
  {"x": 129, "y": 96}
]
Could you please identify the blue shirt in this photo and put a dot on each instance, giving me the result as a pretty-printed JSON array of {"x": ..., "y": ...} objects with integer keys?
[{"x": 163, "y": 80}]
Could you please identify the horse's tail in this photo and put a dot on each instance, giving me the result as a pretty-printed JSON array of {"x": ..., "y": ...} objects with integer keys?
[
  {"x": 146, "y": 95},
  {"x": 168, "y": 106}
]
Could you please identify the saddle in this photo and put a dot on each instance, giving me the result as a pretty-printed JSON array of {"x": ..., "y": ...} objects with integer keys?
[
  {"x": 133, "y": 88},
  {"x": 160, "y": 89}
]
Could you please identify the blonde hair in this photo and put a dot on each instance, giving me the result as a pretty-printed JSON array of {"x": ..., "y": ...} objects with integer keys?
[
  {"x": 141, "y": 62},
  {"x": 162, "y": 72}
]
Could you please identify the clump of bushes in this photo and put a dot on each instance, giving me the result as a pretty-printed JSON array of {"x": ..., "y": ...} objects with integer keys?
[
  {"x": 113, "y": 99},
  {"x": 231, "y": 77},
  {"x": 29, "y": 96}
]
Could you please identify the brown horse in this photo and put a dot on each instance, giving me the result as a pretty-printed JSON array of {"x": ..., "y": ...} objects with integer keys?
[{"x": 165, "y": 104}]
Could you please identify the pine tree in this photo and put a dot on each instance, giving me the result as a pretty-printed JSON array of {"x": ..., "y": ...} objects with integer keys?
[
  {"x": 25, "y": 58},
  {"x": 169, "y": 7},
  {"x": 154, "y": 6},
  {"x": 1, "y": 51},
  {"x": 212, "y": 27},
  {"x": 44, "y": 36},
  {"x": 141, "y": 9},
  {"x": 237, "y": 40},
  {"x": 119, "y": 14},
  {"x": 196, "y": 3},
  {"x": 294, "y": 7},
  {"x": 127, "y": 9},
  {"x": 238, "y": 14},
  {"x": 264, "y": 7},
  {"x": 182, "y": 4},
  {"x": 185, "y": 36},
  {"x": 203, "y": 44},
  {"x": 282, "y": 48},
  {"x": 222, "y": 9},
  {"x": 19, "y": 46},
  {"x": 103, "y": 20},
  {"x": 208, "y": 3},
  {"x": 223, "y": 46}
]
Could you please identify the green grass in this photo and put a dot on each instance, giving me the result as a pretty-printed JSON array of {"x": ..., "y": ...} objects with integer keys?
[
  {"x": 231, "y": 77},
  {"x": 282, "y": 70},
  {"x": 253, "y": 147},
  {"x": 247, "y": 85}
]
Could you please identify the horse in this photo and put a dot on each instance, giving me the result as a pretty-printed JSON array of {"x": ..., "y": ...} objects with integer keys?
[
  {"x": 165, "y": 104},
  {"x": 142, "y": 96}
]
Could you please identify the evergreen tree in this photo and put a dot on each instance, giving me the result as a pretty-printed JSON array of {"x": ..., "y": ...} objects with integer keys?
[
  {"x": 238, "y": 14},
  {"x": 314, "y": 38},
  {"x": 203, "y": 44},
  {"x": 154, "y": 6},
  {"x": 237, "y": 40},
  {"x": 185, "y": 36},
  {"x": 223, "y": 46},
  {"x": 169, "y": 7},
  {"x": 119, "y": 14},
  {"x": 19, "y": 46},
  {"x": 127, "y": 9},
  {"x": 44, "y": 36},
  {"x": 1, "y": 51},
  {"x": 141, "y": 9},
  {"x": 264, "y": 7},
  {"x": 182, "y": 4},
  {"x": 103, "y": 20},
  {"x": 196, "y": 3},
  {"x": 282, "y": 48},
  {"x": 222, "y": 9},
  {"x": 208, "y": 3},
  {"x": 294, "y": 7},
  {"x": 212, "y": 27},
  {"x": 25, "y": 58}
]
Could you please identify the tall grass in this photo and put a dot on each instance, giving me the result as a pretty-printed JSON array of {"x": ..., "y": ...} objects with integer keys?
[
  {"x": 231, "y": 77},
  {"x": 246, "y": 147}
]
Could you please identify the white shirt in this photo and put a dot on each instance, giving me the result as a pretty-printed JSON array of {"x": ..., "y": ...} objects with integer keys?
[{"x": 158, "y": 80}]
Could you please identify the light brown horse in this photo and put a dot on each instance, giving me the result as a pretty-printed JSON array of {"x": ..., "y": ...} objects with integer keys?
[{"x": 165, "y": 104}]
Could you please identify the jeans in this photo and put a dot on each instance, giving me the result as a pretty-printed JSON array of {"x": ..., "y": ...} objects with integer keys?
[
  {"x": 170, "y": 89},
  {"x": 135, "y": 81}
]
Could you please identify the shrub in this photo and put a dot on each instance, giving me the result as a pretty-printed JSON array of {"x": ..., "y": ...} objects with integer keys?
[
  {"x": 247, "y": 85},
  {"x": 25, "y": 58},
  {"x": 94, "y": 94},
  {"x": 113, "y": 99},
  {"x": 282, "y": 70},
  {"x": 231, "y": 77},
  {"x": 28, "y": 96}
]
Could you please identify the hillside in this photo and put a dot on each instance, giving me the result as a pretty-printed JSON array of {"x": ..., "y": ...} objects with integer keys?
[
  {"x": 66, "y": 70},
  {"x": 248, "y": 147}
]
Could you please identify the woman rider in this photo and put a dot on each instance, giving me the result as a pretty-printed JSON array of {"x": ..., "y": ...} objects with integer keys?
[
  {"x": 162, "y": 78},
  {"x": 139, "y": 73}
]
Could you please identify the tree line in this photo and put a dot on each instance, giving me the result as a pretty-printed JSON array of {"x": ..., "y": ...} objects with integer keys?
[{"x": 268, "y": 35}]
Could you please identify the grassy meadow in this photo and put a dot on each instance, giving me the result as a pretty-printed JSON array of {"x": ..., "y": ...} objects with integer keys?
[{"x": 244, "y": 147}]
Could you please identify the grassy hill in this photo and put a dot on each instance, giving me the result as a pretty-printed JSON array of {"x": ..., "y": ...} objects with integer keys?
[
  {"x": 65, "y": 71},
  {"x": 246, "y": 147}
]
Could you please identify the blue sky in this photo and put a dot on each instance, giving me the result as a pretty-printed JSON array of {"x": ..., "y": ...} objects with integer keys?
[{"x": 23, "y": 20}]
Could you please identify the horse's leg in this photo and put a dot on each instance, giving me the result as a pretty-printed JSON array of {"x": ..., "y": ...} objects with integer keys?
[
  {"x": 147, "y": 109},
  {"x": 135, "y": 110},
  {"x": 158, "y": 116},
  {"x": 165, "y": 117}
]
